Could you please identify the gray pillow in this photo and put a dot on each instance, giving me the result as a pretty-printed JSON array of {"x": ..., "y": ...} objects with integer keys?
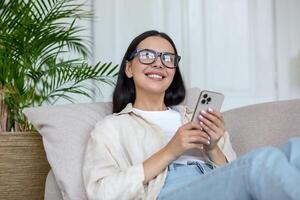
[{"x": 65, "y": 130}]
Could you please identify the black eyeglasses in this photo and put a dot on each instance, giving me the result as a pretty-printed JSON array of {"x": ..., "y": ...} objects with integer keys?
[{"x": 148, "y": 56}]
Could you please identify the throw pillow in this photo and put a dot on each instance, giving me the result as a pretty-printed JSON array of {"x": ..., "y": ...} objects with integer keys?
[{"x": 65, "y": 130}]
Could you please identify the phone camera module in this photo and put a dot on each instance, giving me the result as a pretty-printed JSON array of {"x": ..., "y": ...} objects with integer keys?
[{"x": 206, "y": 99}]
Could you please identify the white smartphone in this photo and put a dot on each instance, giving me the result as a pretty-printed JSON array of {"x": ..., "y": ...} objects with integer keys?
[{"x": 207, "y": 99}]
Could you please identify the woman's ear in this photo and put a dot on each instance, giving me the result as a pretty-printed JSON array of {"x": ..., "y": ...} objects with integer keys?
[{"x": 128, "y": 69}]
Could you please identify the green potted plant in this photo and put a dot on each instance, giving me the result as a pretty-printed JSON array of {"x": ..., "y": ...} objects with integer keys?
[{"x": 36, "y": 37}]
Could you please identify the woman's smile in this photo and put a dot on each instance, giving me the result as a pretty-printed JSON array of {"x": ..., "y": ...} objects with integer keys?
[{"x": 153, "y": 75}]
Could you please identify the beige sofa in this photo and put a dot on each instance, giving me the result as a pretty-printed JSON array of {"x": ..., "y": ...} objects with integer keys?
[{"x": 250, "y": 127}]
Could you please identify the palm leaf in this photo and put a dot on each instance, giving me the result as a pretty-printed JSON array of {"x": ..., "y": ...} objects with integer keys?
[
  {"x": 34, "y": 36},
  {"x": 66, "y": 77}
]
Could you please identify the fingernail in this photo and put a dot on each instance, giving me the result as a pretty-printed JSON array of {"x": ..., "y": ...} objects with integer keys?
[
  {"x": 208, "y": 142},
  {"x": 203, "y": 111},
  {"x": 210, "y": 110},
  {"x": 208, "y": 138},
  {"x": 201, "y": 147},
  {"x": 201, "y": 123},
  {"x": 200, "y": 117}
]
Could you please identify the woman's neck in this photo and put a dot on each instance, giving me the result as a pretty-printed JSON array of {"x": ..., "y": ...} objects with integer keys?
[{"x": 150, "y": 103}]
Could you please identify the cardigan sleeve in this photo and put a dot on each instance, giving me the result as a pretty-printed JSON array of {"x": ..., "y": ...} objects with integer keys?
[
  {"x": 103, "y": 177},
  {"x": 226, "y": 147}
]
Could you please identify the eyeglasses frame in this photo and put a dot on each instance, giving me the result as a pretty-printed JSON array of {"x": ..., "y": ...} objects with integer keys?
[{"x": 157, "y": 54}]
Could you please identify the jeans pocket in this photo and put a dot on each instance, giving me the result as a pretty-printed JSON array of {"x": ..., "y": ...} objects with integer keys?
[
  {"x": 198, "y": 165},
  {"x": 202, "y": 167}
]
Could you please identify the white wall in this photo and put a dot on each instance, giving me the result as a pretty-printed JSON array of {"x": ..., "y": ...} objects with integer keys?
[
  {"x": 247, "y": 49},
  {"x": 288, "y": 48}
]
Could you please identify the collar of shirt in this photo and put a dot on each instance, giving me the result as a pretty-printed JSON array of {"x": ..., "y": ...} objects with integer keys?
[{"x": 185, "y": 112}]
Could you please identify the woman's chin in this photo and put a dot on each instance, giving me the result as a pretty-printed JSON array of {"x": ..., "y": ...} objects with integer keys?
[{"x": 157, "y": 90}]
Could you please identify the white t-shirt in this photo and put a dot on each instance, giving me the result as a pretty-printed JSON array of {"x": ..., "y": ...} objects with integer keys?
[{"x": 169, "y": 121}]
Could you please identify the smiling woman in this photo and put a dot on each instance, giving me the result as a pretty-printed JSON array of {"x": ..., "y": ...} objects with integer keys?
[
  {"x": 136, "y": 70},
  {"x": 141, "y": 151},
  {"x": 151, "y": 79}
]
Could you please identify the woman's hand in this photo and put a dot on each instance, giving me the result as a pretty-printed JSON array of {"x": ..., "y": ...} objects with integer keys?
[
  {"x": 212, "y": 123},
  {"x": 188, "y": 136}
]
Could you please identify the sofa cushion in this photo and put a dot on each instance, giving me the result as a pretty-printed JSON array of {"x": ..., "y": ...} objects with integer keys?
[
  {"x": 65, "y": 130},
  {"x": 52, "y": 192},
  {"x": 263, "y": 124}
]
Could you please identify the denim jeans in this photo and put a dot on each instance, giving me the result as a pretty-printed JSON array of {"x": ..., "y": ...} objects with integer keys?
[{"x": 265, "y": 173}]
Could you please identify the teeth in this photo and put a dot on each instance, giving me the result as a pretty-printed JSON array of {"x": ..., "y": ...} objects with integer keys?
[{"x": 154, "y": 76}]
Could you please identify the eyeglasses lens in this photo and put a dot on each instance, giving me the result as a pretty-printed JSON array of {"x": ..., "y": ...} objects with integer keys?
[{"x": 149, "y": 57}]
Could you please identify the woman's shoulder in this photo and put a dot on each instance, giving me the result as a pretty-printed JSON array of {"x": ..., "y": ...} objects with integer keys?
[
  {"x": 115, "y": 120},
  {"x": 112, "y": 121},
  {"x": 106, "y": 127}
]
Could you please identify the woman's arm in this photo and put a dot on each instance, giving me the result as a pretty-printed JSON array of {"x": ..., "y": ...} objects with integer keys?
[
  {"x": 188, "y": 136},
  {"x": 156, "y": 164},
  {"x": 217, "y": 156},
  {"x": 103, "y": 178}
]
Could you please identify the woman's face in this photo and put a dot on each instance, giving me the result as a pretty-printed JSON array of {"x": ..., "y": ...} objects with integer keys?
[{"x": 154, "y": 78}]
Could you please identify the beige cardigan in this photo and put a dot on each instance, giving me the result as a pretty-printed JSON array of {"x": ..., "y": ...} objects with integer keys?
[{"x": 119, "y": 144}]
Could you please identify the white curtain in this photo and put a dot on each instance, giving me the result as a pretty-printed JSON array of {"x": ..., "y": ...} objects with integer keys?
[{"x": 246, "y": 49}]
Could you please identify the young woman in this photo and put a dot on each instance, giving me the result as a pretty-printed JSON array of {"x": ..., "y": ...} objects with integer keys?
[{"x": 149, "y": 149}]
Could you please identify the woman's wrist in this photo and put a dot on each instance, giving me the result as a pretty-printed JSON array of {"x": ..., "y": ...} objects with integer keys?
[
  {"x": 155, "y": 164},
  {"x": 217, "y": 156},
  {"x": 167, "y": 155}
]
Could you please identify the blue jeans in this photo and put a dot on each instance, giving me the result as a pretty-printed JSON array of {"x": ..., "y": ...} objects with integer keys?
[{"x": 266, "y": 173}]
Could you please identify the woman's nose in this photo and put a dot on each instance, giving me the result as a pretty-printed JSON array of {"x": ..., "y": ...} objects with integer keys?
[{"x": 158, "y": 62}]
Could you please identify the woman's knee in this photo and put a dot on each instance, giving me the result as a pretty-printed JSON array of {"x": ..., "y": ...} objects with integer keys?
[
  {"x": 268, "y": 156},
  {"x": 262, "y": 163},
  {"x": 292, "y": 146},
  {"x": 292, "y": 151}
]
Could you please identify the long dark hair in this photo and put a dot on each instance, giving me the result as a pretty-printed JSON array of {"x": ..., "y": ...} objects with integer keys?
[{"x": 124, "y": 92}]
